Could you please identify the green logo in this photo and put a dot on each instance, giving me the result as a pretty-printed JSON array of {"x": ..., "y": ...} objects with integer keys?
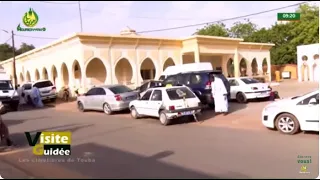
[{"x": 30, "y": 20}]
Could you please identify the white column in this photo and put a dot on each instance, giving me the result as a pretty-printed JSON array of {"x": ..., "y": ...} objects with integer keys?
[
  {"x": 236, "y": 63},
  {"x": 196, "y": 55}
]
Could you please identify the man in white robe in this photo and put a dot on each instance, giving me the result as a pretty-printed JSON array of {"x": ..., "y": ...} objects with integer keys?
[{"x": 219, "y": 93}]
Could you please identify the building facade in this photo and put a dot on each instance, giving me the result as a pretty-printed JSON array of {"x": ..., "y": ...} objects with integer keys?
[
  {"x": 308, "y": 62},
  {"x": 91, "y": 59}
]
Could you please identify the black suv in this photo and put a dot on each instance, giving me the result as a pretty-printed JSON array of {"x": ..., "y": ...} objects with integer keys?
[{"x": 199, "y": 82}]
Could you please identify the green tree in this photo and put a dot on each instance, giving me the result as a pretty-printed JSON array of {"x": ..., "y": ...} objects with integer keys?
[
  {"x": 242, "y": 29},
  {"x": 24, "y": 47},
  {"x": 217, "y": 29},
  {"x": 6, "y": 51}
]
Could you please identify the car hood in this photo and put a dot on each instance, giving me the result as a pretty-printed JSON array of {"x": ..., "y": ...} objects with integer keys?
[{"x": 281, "y": 102}]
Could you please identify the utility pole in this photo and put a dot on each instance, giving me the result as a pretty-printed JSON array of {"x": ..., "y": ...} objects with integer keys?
[
  {"x": 14, "y": 61},
  {"x": 80, "y": 15}
]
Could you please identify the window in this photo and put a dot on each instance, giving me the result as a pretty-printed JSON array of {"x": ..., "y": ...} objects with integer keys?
[
  {"x": 120, "y": 89},
  {"x": 6, "y": 85},
  {"x": 146, "y": 96},
  {"x": 101, "y": 91},
  {"x": 179, "y": 93},
  {"x": 307, "y": 100},
  {"x": 195, "y": 79},
  {"x": 144, "y": 87},
  {"x": 186, "y": 79},
  {"x": 155, "y": 84},
  {"x": 92, "y": 92},
  {"x": 157, "y": 95},
  {"x": 233, "y": 82},
  {"x": 43, "y": 84},
  {"x": 162, "y": 77},
  {"x": 170, "y": 80},
  {"x": 26, "y": 86},
  {"x": 249, "y": 81}
]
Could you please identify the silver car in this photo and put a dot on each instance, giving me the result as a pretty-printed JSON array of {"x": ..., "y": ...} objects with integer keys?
[{"x": 107, "y": 98}]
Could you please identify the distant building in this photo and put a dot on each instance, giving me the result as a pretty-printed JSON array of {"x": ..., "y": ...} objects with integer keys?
[{"x": 308, "y": 62}]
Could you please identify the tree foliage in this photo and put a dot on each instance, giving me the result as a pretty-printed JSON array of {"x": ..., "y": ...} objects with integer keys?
[
  {"x": 6, "y": 50},
  {"x": 285, "y": 36}
]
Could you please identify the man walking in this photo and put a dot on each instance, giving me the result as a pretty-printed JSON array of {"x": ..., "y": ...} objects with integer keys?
[{"x": 219, "y": 93}]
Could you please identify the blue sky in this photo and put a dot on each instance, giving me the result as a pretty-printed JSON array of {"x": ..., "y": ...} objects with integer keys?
[{"x": 62, "y": 18}]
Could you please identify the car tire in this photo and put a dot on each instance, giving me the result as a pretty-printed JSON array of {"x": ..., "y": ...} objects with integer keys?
[
  {"x": 284, "y": 120},
  {"x": 164, "y": 119},
  {"x": 134, "y": 113},
  {"x": 107, "y": 109},
  {"x": 14, "y": 106},
  {"x": 80, "y": 107},
  {"x": 53, "y": 100},
  {"x": 241, "y": 97}
]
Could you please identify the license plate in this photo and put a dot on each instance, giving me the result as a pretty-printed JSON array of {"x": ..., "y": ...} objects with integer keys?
[
  {"x": 187, "y": 113},
  {"x": 45, "y": 91}
]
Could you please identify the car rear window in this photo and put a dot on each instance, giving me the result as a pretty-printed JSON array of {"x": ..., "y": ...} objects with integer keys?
[
  {"x": 43, "y": 84},
  {"x": 120, "y": 89},
  {"x": 155, "y": 84},
  {"x": 6, "y": 85},
  {"x": 249, "y": 81},
  {"x": 179, "y": 93}
]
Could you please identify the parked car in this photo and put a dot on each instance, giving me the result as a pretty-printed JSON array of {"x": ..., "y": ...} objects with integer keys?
[
  {"x": 46, "y": 88},
  {"x": 199, "y": 82},
  {"x": 107, "y": 98},
  {"x": 167, "y": 103},
  {"x": 146, "y": 85},
  {"x": 293, "y": 114},
  {"x": 244, "y": 88}
]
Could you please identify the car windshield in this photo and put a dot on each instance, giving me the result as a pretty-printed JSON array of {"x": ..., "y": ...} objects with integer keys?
[
  {"x": 179, "y": 93},
  {"x": 6, "y": 85},
  {"x": 120, "y": 89},
  {"x": 295, "y": 97},
  {"x": 43, "y": 84},
  {"x": 249, "y": 81}
]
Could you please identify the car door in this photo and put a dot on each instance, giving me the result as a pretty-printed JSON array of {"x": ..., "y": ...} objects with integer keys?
[
  {"x": 234, "y": 88},
  {"x": 89, "y": 101},
  {"x": 99, "y": 98},
  {"x": 308, "y": 112},
  {"x": 143, "y": 103},
  {"x": 155, "y": 103}
]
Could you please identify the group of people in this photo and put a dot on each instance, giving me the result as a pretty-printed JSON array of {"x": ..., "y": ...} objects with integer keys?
[{"x": 34, "y": 98}]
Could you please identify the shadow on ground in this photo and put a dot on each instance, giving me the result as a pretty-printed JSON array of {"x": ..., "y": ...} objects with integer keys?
[
  {"x": 209, "y": 113},
  {"x": 96, "y": 161},
  {"x": 12, "y": 122}
]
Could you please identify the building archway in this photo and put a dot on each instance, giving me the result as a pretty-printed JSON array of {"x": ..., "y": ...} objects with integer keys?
[
  {"x": 243, "y": 67},
  {"x": 37, "y": 75},
  {"x": 264, "y": 66},
  {"x": 54, "y": 74},
  {"x": 147, "y": 69},
  {"x": 230, "y": 68},
  {"x": 21, "y": 78},
  {"x": 316, "y": 68},
  {"x": 123, "y": 71},
  {"x": 28, "y": 77},
  {"x": 167, "y": 63},
  {"x": 65, "y": 75},
  {"x": 45, "y": 73},
  {"x": 254, "y": 67},
  {"x": 76, "y": 72},
  {"x": 96, "y": 72}
]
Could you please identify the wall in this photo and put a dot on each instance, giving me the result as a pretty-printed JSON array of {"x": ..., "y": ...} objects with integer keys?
[{"x": 288, "y": 67}]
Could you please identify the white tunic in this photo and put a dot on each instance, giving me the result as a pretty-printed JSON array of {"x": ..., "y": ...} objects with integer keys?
[{"x": 219, "y": 93}]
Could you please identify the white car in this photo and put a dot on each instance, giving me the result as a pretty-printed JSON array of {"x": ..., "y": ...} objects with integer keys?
[
  {"x": 46, "y": 88},
  {"x": 244, "y": 88},
  {"x": 293, "y": 114},
  {"x": 167, "y": 103}
]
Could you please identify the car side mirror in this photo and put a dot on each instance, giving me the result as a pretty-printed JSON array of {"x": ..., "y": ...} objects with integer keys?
[{"x": 313, "y": 101}]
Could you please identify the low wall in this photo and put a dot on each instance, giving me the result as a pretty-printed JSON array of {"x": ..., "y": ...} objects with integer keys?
[{"x": 292, "y": 68}]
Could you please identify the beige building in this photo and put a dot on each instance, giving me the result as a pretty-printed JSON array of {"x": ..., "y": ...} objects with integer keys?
[{"x": 90, "y": 59}]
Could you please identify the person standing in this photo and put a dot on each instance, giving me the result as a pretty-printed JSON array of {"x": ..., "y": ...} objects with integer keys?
[{"x": 220, "y": 95}]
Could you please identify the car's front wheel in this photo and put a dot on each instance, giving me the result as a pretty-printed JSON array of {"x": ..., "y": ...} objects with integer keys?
[
  {"x": 134, "y": 113},
  {"x": 80, "y": 107},
  {"x": 287, "y": 124},
  {"x": 241, "y": 97}
]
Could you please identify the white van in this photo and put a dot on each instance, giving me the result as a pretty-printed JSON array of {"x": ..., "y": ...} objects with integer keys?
[
  {"x": 171, "y": 70},
  {"x": 8, "y": 94}
]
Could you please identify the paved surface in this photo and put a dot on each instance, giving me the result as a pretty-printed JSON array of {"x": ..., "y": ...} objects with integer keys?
[{"x": 237, "y": 146}]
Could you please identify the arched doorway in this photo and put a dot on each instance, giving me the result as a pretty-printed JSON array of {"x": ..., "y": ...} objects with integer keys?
[
  {"x": 264, "y": 66},
  {"x": 316, "y": 68},
  {"x": 37, "y": 75},
  {"x": 243, "y": 67},
  {"x": 65, "y": 75},
  {"x": 76, "y": 71},
  {"x": 54, "y": 74},
  {"x": 254, "y": 67},
  {"x": 147, "y": 69},
  {"x": 45, "y": 73},
  {"x": 28, "y": 77},
  {"x": 96, "y": 72},
  {"x": 123, "y": 71},
  {"x": 167, "y": 63},
  {"x": 21, "y": 78},
  {"x": 230, "y": 68}
]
